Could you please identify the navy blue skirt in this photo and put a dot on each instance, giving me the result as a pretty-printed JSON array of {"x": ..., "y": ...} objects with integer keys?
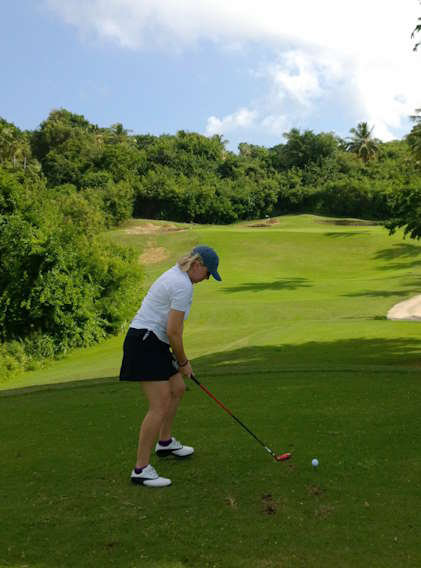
[{"x": 146, "y": 357}]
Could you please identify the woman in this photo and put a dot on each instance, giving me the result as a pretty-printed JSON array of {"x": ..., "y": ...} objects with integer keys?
[{"x": 157, "y": 326}]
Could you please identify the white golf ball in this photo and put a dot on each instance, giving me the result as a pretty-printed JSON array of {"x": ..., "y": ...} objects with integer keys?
[{"x": 314, "y": 462}]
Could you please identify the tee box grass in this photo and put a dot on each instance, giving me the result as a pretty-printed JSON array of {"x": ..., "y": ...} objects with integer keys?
[{"x": 295, "y": 342}]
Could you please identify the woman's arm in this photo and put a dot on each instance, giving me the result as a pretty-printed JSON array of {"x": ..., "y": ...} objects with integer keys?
[{"x": 175, "y": 326}]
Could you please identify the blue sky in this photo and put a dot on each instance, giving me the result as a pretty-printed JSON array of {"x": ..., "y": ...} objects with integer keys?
[{"x": 247, "y": 70}]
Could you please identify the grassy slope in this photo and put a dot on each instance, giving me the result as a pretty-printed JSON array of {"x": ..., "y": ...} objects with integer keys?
[
  {"x": 294, "y": 340},
  {"x": 296, "y": 283}
]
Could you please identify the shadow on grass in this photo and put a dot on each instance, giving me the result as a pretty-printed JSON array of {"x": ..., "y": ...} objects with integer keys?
[
  {"x": 346, "y": 354},
  {"x": 400, "y": 294},
  {"x": 398, "y": 251},
  {"x": 416, "y": 282},
  {"x": 371, "y": 355},
  {"x": 346, "y": 235},
  {"x": 346, "y": 222},
  {"x": 280, "y": 284},
  {"x": 68, "y": 385},
  {"x": 402, "y": 265}
]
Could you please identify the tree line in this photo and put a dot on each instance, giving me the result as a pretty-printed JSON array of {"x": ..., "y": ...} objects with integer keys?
[
  {"x": 192, "y": 178},
  {"x": 62, "y": 286}
]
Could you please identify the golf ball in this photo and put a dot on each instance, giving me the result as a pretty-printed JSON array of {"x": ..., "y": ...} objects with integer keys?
[{"x": 315, "y": 462}]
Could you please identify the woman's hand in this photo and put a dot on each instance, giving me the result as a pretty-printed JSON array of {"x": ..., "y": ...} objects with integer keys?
[{"x": 186, "y": 369}]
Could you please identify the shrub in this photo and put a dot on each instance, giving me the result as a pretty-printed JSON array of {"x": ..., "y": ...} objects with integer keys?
[
  {"x": 61, "y": 285},
  {"x": 353, "y": 198}
]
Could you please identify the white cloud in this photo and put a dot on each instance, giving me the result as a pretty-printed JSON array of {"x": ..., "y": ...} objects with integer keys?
[
  {"x": 243, "y": 118},
  {"x": 357, "y": 55},
  {"x": 296, "y": 78},
  {"x": 326, "y": 23},
  {"x": 274, "y": 124},
  {"x": 386, "y": 92}
]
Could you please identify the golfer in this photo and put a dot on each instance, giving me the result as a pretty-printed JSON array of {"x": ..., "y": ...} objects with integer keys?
[{"x": 153, "y": 354}]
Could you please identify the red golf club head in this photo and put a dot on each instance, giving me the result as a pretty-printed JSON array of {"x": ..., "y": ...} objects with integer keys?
[{"x": 282, "y": 457}]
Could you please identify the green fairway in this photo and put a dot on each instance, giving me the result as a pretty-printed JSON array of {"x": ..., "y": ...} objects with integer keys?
[
  {"x": 295, "y": 342},
  {"x": 303, "y": 280}
]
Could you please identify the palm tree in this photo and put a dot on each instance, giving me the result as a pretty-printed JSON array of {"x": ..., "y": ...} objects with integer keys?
[
  {"x": 117, "y": 134},
  {"x": 362, "y": 142},
  {"x": 7, "y": 140},
  {"x": 21, "y": 152}
]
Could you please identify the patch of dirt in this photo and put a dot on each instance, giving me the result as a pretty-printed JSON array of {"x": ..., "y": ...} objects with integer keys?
[
  {"x": 231, "y": 502},
  {"x": 150, "y": 228},
  {"x": 315, "y": 490},
  {"x": 266, "y": 223},
  {"x": 153, "y": 255},
  {"x": 349, "y": 222},
  {"x": 269, "y": 505},
  {"x": 112, "y": 544},
  {"x": 324, "y": 511}
]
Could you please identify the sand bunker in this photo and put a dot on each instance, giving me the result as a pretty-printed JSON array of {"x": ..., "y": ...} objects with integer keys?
[
  {"x": 410, "y": 310},
  {"x": 266, "y": 223},
  {"x": 153, "y": 255},
  {"x": 350, "y": 222},
  {"x": 149, "y": 228}
]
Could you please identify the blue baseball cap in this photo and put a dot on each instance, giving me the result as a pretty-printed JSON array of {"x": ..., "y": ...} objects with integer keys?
[{"x": 210, "y": 259}]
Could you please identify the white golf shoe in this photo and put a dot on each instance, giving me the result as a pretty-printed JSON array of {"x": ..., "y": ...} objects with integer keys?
[
  {"x": 149, "y": 477},
  {"x": 173, "y": 449}
]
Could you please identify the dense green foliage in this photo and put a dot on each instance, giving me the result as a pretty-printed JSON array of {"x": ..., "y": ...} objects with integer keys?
[
  {"x": 414, "y": 137},
  {"x": 309, "y": 172},
  {"x": 406, "y": 202},
  {"x": 190, "y": 177},
  {"x": 61, "y": 285}
]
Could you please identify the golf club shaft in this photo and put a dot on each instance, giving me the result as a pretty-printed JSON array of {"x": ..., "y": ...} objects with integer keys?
[{"x": 228, "y": 411}]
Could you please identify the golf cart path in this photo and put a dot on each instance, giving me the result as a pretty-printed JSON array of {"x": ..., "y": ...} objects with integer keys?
[{"x": 409, "y": 310}]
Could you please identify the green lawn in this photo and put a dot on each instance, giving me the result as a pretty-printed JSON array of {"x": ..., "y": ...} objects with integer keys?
[{"x": 294, "y": 341}]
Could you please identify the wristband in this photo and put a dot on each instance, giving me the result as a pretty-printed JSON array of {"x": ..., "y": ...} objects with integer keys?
[{"x": 184, "y": 363}]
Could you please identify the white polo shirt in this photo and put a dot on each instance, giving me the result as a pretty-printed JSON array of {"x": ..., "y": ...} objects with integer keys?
[{"x": 173, "y": 290}]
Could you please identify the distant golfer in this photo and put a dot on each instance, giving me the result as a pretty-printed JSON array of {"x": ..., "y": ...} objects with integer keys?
[{"x": 157, "y": 327}]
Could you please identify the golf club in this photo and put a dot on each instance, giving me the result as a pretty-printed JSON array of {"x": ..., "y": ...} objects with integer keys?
[{"x": 276, "y": 457}]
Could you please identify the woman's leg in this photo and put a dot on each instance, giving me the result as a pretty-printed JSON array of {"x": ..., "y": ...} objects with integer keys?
[
  {"x": 159, "y": 397},
  {"x": 177, "y": 389}
]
